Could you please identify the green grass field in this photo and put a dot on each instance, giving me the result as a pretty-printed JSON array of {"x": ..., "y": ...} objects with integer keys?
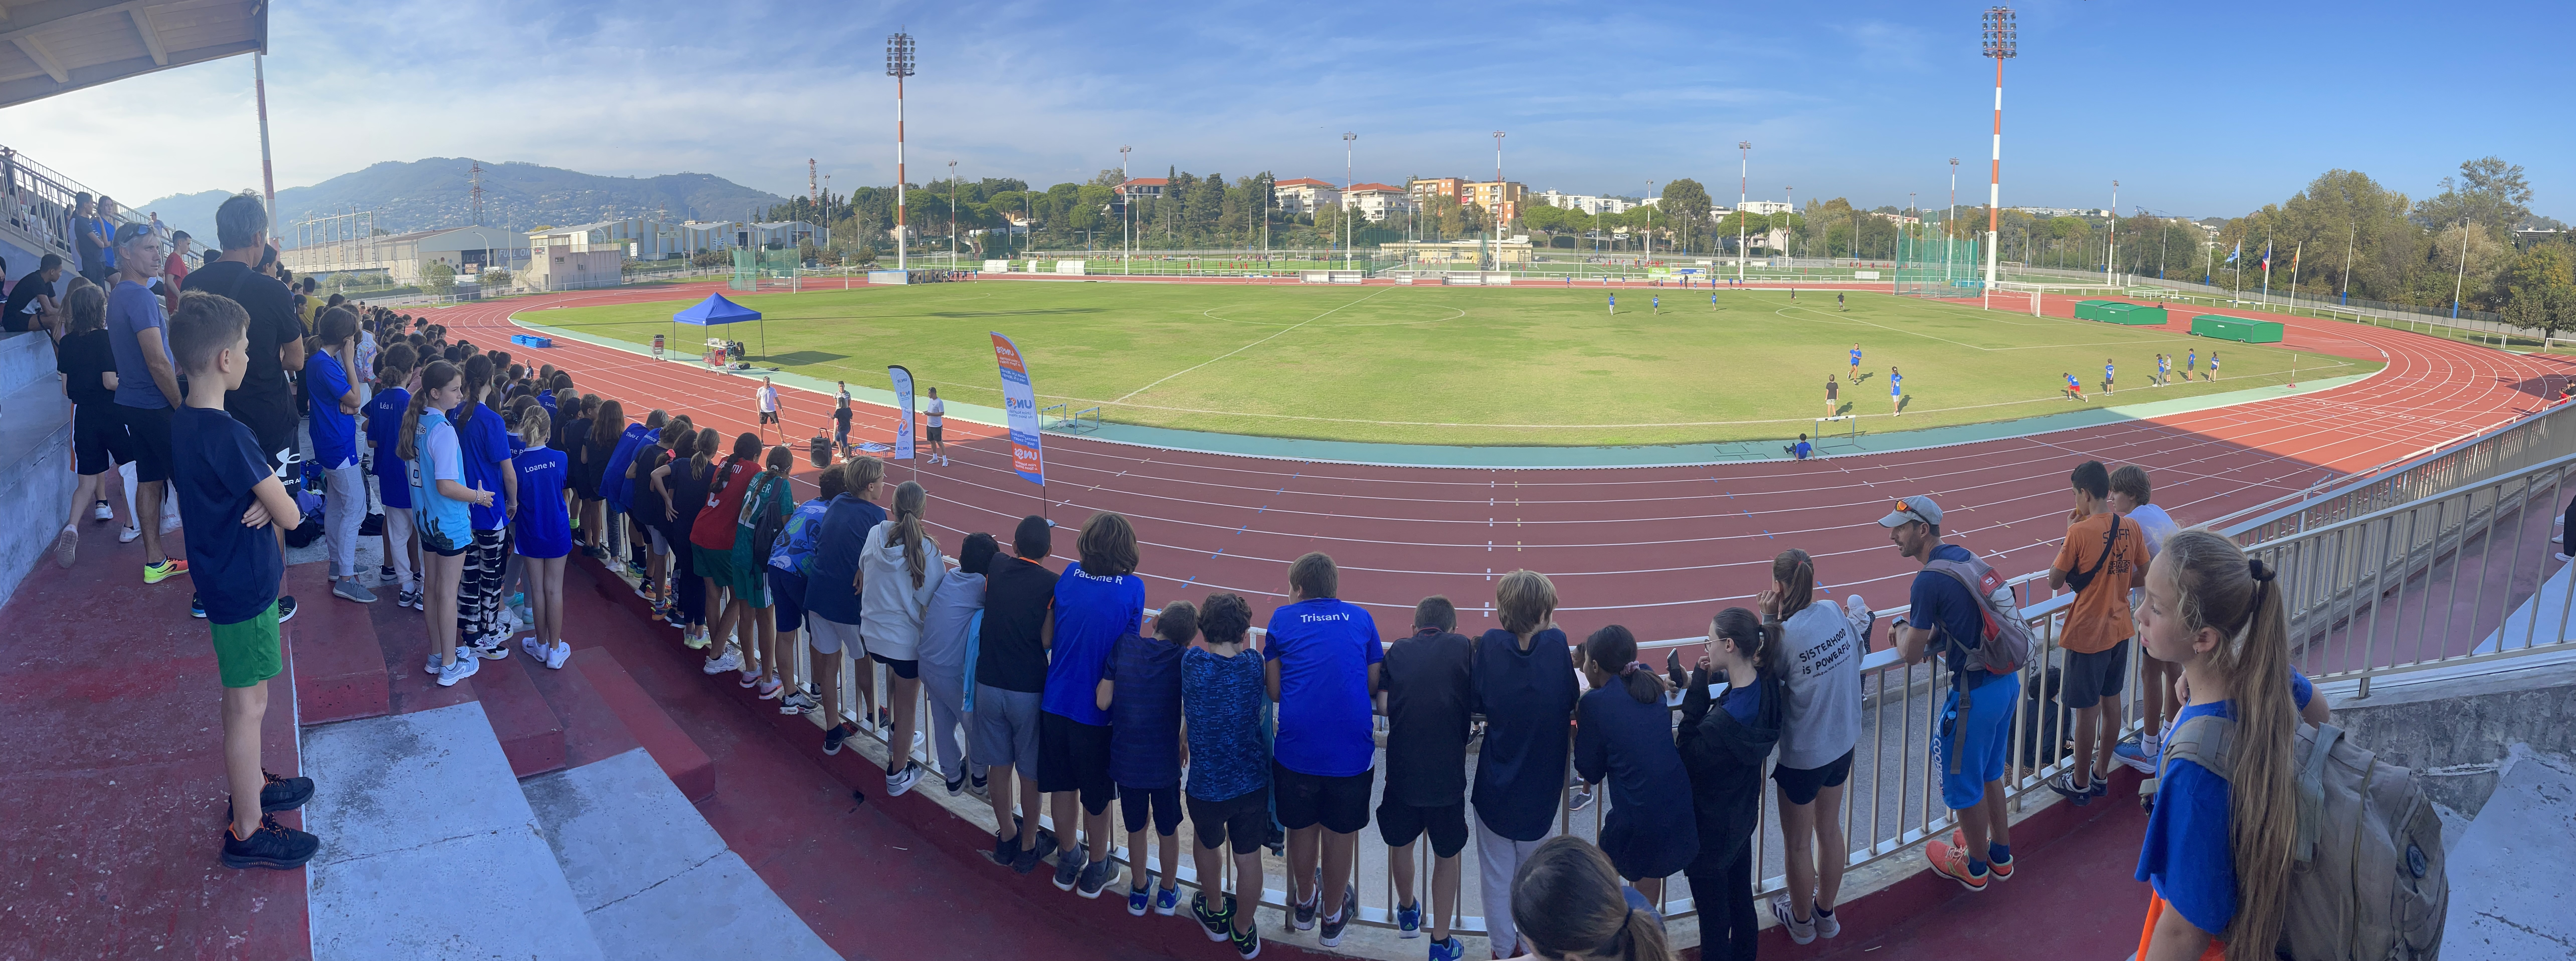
[{"x": 1434, "y": 365}]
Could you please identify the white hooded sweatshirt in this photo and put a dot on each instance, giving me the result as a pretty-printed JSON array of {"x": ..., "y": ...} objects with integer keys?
[{"x": 890, "y": 607}]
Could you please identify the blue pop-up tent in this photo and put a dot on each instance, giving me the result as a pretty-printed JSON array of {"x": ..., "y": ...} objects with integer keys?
[{"x": 716, "y": 311}]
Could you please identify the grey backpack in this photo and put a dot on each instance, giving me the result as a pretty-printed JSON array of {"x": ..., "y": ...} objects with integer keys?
[{"x": 2368, "y": 884}]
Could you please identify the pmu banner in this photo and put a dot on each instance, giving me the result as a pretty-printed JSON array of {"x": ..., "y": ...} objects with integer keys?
[
  {"x": 903, "y": 399},
  {"x": 1020, "y": 402}
]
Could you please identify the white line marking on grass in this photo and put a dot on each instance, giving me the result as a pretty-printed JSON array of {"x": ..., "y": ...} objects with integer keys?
[{"x": 1243, "y": 348}]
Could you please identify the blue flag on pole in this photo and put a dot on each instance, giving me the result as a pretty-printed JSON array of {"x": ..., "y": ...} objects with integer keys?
[{"x": 2232, "y": 255}]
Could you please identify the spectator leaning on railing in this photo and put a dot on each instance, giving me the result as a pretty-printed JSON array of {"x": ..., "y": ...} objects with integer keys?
[{"x": 1969, "y": 742}]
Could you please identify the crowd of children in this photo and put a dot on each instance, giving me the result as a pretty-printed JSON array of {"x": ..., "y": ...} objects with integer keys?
[{"x": 1056, "y": 691}]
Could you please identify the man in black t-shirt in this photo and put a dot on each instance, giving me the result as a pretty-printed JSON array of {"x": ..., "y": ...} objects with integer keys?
[
  {"x": 1010, "y": 678},
  {"x": 1426, "y": 692},
  {"x": 266, "y": 400},
  {"x": 32, "y": 299}
]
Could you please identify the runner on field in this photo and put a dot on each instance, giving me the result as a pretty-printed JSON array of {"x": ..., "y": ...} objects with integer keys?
[
  {"x": 1833, "y": 396},
  {"x": 1896, "y": 390},
  {"x": 1855, "y": 363}
]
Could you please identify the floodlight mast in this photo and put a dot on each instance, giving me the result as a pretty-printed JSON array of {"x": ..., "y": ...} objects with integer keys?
[
  {"x": 1950, "y": 231},
  {"x": 1743, "y": 165},
  {"x": 2001, "y": 39},
  {"x": 899, "y": 64}
]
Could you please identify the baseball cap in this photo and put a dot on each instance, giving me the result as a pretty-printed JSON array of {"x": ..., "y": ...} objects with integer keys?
[{"x": 1911, "y": 509}]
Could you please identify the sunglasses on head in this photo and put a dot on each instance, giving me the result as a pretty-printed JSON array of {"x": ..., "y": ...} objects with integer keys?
[{"x": 1904, "y": 507}]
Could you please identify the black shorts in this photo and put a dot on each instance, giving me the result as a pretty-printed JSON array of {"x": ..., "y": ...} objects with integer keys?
[
  {"x": 271, "y": 422},
  {"x": 99, "y": 439},
  {"x": 2089, "y": 678},
  {"x": 934, "y": 433},
  {"x": 769, "y": 417},
  {"x": 1163, "y": 803},
  {"x": 1245, "y": 818},
  {"x": 148, "y": 428},
  {"x": 911, "y": 671},
  {"x": 1801, "y": 784},
  {"x": 1073, "y": 756},
  {"x": 1400, "y": 824},
  {"x": 1340, "y": 804}
]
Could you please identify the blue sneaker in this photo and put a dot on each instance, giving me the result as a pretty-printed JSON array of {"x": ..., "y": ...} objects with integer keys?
[
  {"x": 1408, "y": 920},
  {"x": 1449, "y": 950},
  {"x": 2141, "y": 758},
  {"x": 2064, "y": 784},
  {"x": 1167, "y": 901},
  {"x": 1138, "y": 899}
]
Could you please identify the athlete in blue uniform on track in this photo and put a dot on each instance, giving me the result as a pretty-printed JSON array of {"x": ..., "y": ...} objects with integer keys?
[
  {"x": 1896, "y": 391},
  {"x": 1614, "y": 303}
]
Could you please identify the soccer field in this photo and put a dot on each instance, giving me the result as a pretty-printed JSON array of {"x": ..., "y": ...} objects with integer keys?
[{"x": 1530, "y": 365}]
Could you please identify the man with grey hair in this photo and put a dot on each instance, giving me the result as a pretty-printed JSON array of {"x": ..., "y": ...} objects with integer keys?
[
  {"x": 265, "y": 402},
  {"x": 147, "y": 385}
]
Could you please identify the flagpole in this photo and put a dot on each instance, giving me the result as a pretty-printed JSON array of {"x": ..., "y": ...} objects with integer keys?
[
  {"x": 2294, "y": 273},
  {"x": 2267, "y": 272}
]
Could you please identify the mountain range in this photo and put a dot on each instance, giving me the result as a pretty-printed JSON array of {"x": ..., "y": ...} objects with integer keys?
[{"x": 436, "y": 192}]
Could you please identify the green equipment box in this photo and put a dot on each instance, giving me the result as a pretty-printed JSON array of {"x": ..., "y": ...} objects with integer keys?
[
  {"x": 2236, "y": 328},
  {"x": 2120, "y": 312}
]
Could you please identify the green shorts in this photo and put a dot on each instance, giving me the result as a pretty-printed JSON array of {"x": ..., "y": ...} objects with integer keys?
[
  {"x": 750, "y": 575},
  {"x": 714, "y": 564},
  {"x": 246, "y": 653}
]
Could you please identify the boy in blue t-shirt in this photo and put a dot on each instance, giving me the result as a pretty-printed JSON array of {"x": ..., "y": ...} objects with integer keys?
[
  {"x": 1097, "y": 600},
  {"x": 1323, "y": 668},
  {"x": 1222, "y": 695},
  {"x": 1140, "y": 687},
  {"x": 228, "y": 498}
]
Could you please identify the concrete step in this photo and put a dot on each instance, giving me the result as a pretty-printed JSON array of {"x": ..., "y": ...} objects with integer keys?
[
  {"x": 652, "y": 878},
  {"x": 2513, "y": 873},
  {"x": 429, "y": 848},
  {"x": 679, "y": 755},
  {"x": 26, "y": 358},
  {"x": 531, "y": 735},
  {"x": 36, "y": 479}
]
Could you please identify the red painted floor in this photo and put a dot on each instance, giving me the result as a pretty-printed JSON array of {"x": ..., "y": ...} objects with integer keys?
[{"x": 116, "y": 790}]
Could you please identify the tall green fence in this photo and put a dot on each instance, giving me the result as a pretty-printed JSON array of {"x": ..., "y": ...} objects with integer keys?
[{"x": 1937, "y": 267}]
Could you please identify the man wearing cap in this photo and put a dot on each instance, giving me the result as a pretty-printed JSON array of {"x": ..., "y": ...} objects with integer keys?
[{"x": 1977, "y": 736}]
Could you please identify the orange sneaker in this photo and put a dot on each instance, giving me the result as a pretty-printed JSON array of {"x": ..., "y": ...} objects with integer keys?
[
  {"x": 1997, "y": 870},
  {"x": 1951, "y": 862}
]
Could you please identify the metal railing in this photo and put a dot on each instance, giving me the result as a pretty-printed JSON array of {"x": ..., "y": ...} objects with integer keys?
[{"x": 41, "y": 204}]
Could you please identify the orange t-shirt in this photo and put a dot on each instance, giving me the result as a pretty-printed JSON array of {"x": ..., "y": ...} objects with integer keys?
[{"x": 2100, "y": 616}]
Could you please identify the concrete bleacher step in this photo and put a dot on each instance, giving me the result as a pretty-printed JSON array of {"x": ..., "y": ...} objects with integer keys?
[
  {"x": 679, "y": 755},
  {"x": 26, "y": 358},
  {"x": 429, "y": 848},
  {"x": 2513, "y": 873},
  {"x": 652, "y": 878},
  {"x": 339, "y": 664},
  {"x": 531, "y": 734},
  {"x": 36, "y": 479}
]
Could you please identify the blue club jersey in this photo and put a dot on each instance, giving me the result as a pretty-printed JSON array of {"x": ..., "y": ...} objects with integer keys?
[
  {"x": 1896, "y": 385},
  {"x": 1324, "y": 648},
  {"x": 384, "y": 429},
  {"x": 545, "y": 529}
]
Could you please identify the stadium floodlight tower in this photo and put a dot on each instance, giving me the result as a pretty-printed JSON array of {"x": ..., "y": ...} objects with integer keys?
[
  {"x": 2001, "y": 39},
  {"x": 1347, "y": 137},
  {"x": 2111, "y": 245},
  {"x": 899, "y": 63},
  {"x": 1743, "y": 167},
  {"x": 1950, "y": 231},
  {"x": 1126, "y": 211}
]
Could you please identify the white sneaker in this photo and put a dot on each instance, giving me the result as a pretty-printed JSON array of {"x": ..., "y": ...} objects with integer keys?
[
  {"x": 530, "y": 645},
  {"x": 900, "y": 782},
  {"x": 563, "y": 652},
  {"x": 1827, "y": 926},
  {"x": 498, "y": 650},
  {"x": 1798, "y": 933},
  {"x": 169, "y": 523},
  {"x": 731, "y": 661},
  {"x": 128, "y": 535},
  {"x": 465, "y": 666},
  {"x": 750, "y": 675}
]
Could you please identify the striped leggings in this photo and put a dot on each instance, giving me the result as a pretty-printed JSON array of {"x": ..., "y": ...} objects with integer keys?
[{"x": 478, "y": 591}]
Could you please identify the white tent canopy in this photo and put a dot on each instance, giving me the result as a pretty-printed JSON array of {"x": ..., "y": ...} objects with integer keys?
[{"x": 58, "y": 46}]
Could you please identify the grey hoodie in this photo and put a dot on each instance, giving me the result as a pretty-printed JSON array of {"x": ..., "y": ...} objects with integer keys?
[{"x": 890, "y": 608}]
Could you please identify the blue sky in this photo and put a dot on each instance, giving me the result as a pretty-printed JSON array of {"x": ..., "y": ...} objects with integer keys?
[{"x": 2196, "y": 108}]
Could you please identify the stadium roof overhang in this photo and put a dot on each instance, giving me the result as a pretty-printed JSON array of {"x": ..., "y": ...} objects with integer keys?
[{"x": 49, "y": 47}]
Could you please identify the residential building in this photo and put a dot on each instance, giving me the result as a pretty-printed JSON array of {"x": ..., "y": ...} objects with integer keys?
[
  {"x": 1765, "y": 207},
  {"x": 1305, "y": 195},
  {"x": 1505, "y": 198},
  {"x": 2063, "y": 211},
  {"x": 1142, "y": 188},
  {"x": 1587, "y": 203},
  {"x": 1377, "y": 201},
  {"x": 1472, "y": 254},
  {"x": 1424, "y": 191}
]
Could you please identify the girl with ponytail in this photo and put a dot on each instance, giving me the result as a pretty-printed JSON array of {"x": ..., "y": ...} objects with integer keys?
[
  {"x": 1819, "y": 670},
  {"x": 763, "y": 515},
  {"x": 486, "y": 443},
  {"x": 683, "y": 485},
  {"x": 1567, "y": 906},
  {"x": 1723, "y": 750},
  {"x": 2218, "y": 848},
  {"x": 545, "y": 536},
  {"x": 437, "y": 465},
  {"x": 899, "y": 569},
  {"x": 711, "y": 542},
  {"x": 1622, "y": 730}
]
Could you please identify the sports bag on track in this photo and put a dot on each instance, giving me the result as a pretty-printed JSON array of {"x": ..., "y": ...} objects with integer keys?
[{"x": 2368, "y": 882}]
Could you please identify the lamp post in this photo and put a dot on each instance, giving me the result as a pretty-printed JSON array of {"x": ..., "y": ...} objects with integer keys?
[
  {"x": 2000, "y": 39},
  {"x": 1497, "y": 212},
  {"x": 1345, "y": 200},
  {"x": 1743, "y": 169},
  {"x": 899, "y": 64},
  {"x": 2111, "y": 240},
  {"x": 1949, "y": 234},
  {"x": 952, "y": 215},
  {"x": 2463, "y": 277},
  {"x": 1126, "y": 211},
  {"x": 1647, "y": 250},
  {"x": 1789, "y": 228}
]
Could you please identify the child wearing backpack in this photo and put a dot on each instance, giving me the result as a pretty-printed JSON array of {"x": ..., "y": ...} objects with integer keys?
[
  {"x": 2218, "y": 846},
  {"x": 2101, "y": 556}
]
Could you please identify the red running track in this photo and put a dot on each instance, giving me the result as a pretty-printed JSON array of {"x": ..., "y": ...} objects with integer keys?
[{"x": 1658, "y": 549}]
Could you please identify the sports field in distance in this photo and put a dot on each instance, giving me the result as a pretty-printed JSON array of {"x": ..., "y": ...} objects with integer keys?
[{"x": 1532, "y": 365}]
